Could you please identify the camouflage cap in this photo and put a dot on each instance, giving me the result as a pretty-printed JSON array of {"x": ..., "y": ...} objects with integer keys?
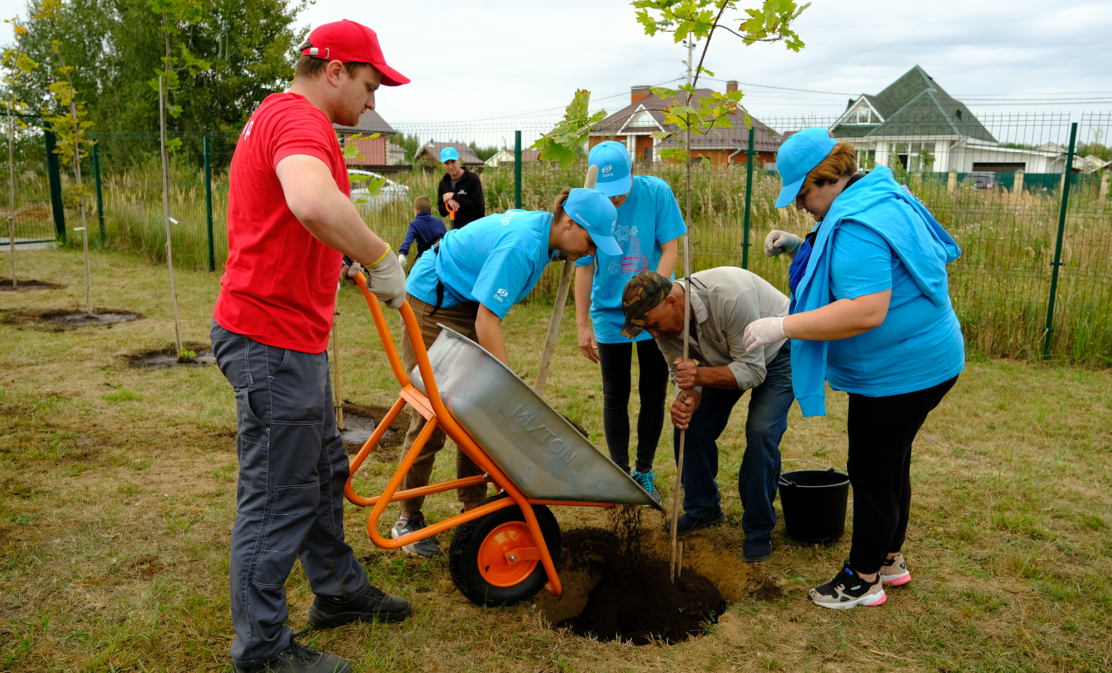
[{"x": 644, "y": 292}]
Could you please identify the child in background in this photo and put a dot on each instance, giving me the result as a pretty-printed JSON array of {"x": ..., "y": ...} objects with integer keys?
[{"x": 424, "y": 229}]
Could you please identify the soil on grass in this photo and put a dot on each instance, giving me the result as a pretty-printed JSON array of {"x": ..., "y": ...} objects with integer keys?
[
  {"x": 633, "y": 597},
  {"x": 360, "y": 421},
  {"x": 27, "y": 285},
  {"x": 164, "y": 358},
  {"x": 61, "y": 321}
]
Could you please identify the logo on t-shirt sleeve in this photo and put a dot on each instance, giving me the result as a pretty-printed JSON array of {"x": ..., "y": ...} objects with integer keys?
[{"x": 247, "y": 129}]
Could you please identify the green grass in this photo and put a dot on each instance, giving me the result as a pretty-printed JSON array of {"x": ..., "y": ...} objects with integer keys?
[{"x": 115, "y": 514}]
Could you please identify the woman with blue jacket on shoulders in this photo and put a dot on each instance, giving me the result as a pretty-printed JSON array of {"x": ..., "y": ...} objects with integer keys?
[{"x": 871, "y": 314}]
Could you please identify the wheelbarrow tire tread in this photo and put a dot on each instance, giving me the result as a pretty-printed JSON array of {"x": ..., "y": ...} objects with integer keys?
[{"x": 463, "y": 556}]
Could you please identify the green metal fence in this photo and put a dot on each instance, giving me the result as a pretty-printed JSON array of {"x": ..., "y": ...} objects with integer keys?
[{"x": 1014, "y": 241}]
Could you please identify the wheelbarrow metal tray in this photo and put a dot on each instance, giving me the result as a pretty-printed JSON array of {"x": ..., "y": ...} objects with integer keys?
[{"x": 530, "y": 441}]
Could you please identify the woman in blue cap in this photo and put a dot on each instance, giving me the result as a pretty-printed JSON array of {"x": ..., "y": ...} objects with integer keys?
[
  {"x": 649, "y": 224},
  {"x": 871, "y": 314},
  {"x": 468, "y": 282},
  {"x": 460, "y": 191}
]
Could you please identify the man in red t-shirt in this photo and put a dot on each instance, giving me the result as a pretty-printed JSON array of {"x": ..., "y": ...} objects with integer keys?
[{"x": 290, "y": 221}]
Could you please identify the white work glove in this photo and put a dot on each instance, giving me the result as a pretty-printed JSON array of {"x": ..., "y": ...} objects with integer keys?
[
  {"x": 762, "y": 332},
  {"x": 349, "y": 272},
  {"x": 401, "y": 260},
  {"x": 387, "y": 280},
  {"x": 781, "y": 241}
]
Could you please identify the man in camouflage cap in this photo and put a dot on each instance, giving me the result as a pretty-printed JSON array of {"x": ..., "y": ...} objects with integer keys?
[{"x": 722, "y": 302}]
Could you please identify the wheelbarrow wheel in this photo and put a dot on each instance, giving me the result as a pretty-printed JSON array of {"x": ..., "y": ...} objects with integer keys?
[{"x": 478, "y": 555}]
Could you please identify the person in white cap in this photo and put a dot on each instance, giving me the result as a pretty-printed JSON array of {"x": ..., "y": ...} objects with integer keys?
[
  {"x": 648, "y": 229},
  {"x": 290, "y": 221}
]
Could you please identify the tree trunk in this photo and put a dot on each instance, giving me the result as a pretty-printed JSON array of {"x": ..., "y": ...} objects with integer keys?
[{"x": 81, "y": 201}]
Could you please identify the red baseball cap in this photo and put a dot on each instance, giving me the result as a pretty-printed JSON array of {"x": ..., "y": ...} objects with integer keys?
[{"x": 348, "y": 41}]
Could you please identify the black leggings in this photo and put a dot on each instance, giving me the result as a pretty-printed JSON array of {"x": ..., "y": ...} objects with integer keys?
[
  {"x": 881, "y": 430},
  {"x": 617, "y": 361}
]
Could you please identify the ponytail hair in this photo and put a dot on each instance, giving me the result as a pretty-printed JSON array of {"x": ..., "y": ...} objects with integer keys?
[{"x": 558, "y": 213}]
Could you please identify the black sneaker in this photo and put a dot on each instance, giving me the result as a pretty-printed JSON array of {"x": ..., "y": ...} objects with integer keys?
[
  {"x": 373, "y": 606},
  {"x": 298, "y": 659},
  {"x": 687, "y": 524},
  {"x": 755, "y": 551},
  {"x": 847, "y": 590}
]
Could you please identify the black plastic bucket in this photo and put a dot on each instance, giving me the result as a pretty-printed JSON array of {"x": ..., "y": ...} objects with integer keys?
[{"x": 814, "y": 503}]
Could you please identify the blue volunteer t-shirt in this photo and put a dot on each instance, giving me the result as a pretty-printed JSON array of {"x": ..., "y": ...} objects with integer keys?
[
  {"x": 649, "y": 217},
  {"x": 495, "y": 261},
  {"x": 919, "y": 345}
]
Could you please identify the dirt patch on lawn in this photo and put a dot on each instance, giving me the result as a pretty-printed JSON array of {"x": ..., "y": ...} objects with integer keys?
[
  {"x": 617, "y": 585},
  {"x": 27, "y": 285},
  {"x": 62, "y": 321},
  {"x": 360, "y": 421},
  {"x": 164, "y": 358}
]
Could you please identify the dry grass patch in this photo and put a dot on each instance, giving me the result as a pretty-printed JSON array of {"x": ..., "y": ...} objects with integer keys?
[{"x": 117, "y": 490}]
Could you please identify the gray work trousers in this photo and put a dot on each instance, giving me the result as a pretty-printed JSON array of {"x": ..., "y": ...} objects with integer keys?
[{"x": 290, "y": 495}]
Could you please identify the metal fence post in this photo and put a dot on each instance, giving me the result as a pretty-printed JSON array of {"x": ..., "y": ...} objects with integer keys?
[
  {"x": 517, "y": 169},
  {"x": 100, "y": 195},
  {"x": 57, "y": 206},
  {"x": 748, "y": 202},
  {"x": 208, "y": 203},
  {"x": 1058, "y": 246}
]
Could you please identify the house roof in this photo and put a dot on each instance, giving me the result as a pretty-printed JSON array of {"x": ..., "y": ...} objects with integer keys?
[
  {"x": 467, "y": 155},
  {"x": 369, "y": 122},
  {"x": 651, "y": 109},
  {"x": 391, "y": 147},
  {"x": 914, "y": 105}
]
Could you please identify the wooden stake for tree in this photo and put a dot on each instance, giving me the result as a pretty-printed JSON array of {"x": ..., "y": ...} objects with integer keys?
[
  {"x": 561, "y": 303},
  {"x": 166, "y": 206},
  {"x": 88, "y": 276},
  {"x": 338, "y": 400},
  {"x": 11, "y": 191}
]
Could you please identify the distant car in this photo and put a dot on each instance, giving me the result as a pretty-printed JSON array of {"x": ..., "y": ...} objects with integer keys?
[
  {"x": 980, "y": 180},
  {"x": 362, "y": 188}
]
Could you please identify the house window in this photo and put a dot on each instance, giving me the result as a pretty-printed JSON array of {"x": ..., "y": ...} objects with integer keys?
[
  {"x": 913, "y": 157},
  {"x": 866, "y": 159},
  {"x": 864, "y": 115}
]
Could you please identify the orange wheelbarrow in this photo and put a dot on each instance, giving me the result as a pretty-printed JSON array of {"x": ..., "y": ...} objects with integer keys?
[{"x": 505, "y": 550}]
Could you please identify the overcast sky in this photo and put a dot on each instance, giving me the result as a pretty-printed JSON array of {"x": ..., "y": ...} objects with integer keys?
[{"x": 516, "y": 59}]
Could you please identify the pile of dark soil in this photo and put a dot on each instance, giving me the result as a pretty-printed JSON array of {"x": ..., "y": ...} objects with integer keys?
[
  {"x": 164, "y": 358},
  {"x": 635, "y": 599},
  {"x": 26, "y": 285},
  {"x": 360, "y": 421}
]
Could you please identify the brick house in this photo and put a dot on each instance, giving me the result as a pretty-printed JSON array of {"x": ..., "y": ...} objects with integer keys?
[
  {"x": 634, "y": 125},
  {"x": 372, "y": 150}
]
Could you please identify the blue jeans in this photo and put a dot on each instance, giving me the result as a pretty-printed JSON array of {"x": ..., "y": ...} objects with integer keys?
[
  {"x": 760, "y": 466},
  {"x": 290, "y": 495}
]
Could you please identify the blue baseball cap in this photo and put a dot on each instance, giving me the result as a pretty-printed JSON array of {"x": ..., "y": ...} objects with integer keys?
[
  {"x": 448, "y": 154},
  {"x": 797, "y": 157},
  {"x": 614, "y": 175},
  {"x": 592, "y": 210}
]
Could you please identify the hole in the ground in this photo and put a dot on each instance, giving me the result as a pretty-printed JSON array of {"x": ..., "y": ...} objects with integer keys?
[
  {"x": 616, "y": 590},
  {"x": 195, "y": 355},
  {"x": 360, "y": 421},
  {"x": 100, "y": 316},
  {"x": 27, "y": 285}
]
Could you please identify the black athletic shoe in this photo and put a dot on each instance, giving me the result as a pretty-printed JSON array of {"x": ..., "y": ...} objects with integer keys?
[
  {"x": 847, "y": 590},
  {"x": 374, "y": 606},
  {"x": 298, "y": 659},
  {"x": 755, "y": 551},
  {"x": 687, "y": 524}
]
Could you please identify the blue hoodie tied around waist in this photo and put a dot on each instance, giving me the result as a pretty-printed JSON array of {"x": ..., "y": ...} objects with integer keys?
[{"x": 878, "y": 202}]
